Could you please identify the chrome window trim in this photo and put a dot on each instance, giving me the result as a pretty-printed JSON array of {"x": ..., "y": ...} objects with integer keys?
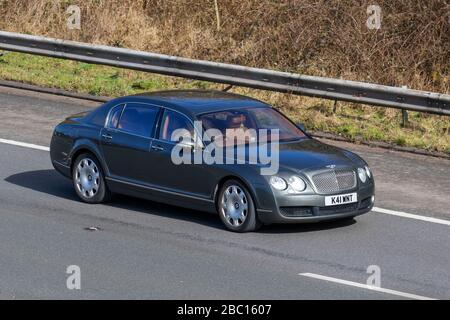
[
  {"x": 129, "y": 133},
  {"x": 163, "y": 109},
  {"x": 123, "y": 109}
]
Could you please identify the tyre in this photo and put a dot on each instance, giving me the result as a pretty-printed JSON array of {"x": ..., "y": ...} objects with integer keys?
[
  {"x": 88, "y": 179},
  {"x": 236, "y": 208}
]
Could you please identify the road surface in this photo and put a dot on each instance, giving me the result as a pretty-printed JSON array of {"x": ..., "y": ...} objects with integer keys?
[{"x": 142, "y": 249}]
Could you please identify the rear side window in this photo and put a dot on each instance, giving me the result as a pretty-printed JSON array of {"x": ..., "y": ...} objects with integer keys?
[
  {"x": 97, "y": 117},
  {"x": 138, "y": 119},
  {"x": 114, "y": 116}
]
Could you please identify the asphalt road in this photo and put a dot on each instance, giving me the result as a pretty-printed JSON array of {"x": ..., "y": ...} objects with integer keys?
[{"x": 149, "y": 250}]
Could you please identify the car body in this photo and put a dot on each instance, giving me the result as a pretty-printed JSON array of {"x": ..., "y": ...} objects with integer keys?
[{"x": 134, "y": 160}]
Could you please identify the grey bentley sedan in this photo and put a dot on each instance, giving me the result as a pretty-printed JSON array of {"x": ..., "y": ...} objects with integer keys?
[{"x": 211, "y": 151}]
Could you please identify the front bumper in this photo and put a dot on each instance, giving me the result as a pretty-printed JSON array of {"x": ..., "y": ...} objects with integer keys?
[{"x": 311, "y": 208}]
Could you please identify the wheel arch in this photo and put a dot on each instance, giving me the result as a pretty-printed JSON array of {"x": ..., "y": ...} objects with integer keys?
[
  {"x": 239, "y": 179},
  {"x": 87, "y": 147}
]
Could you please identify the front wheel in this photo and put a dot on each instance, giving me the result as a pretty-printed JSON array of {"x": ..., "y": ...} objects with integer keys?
[
  {"x": 88, "y": 180},
  {"x": 236, "y": 208}
]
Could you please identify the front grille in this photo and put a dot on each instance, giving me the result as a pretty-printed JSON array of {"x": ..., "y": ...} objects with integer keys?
[
  {"x": 323, "y": 211},
  {"x": 335, "y": 180},
  {"x": 296, "y": 211}
]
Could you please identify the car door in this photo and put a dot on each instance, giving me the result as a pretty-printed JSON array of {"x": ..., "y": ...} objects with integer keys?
[
  {"x": 126, "y": 140},
  {"x": 194, "y": 179}
]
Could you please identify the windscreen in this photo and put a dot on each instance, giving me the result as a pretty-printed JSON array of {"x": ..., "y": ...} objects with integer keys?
[{"x": 251, "y": 118}]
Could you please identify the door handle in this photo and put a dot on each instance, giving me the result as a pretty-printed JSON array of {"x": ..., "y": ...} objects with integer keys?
[
  {"x": 107, "y": 136},
  {"x": 157, "y": 148}
]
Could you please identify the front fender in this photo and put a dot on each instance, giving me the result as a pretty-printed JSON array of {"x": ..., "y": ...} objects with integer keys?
[{"x": 256, "y": 183}]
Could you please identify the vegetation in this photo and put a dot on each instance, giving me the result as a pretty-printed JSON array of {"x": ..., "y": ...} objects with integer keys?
[{"x": 322, "y": 37}]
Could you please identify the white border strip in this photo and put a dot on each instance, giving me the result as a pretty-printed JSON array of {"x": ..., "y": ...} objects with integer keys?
[
  {"x": 23, "y": 144},
  {"x": 365, "y": 286},
  {"x": 411, "y": 216}
]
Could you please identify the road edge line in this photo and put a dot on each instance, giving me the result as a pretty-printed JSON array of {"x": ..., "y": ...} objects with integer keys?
[
  {"x": 365, "y": 286},
  {"x": 411, "y": 216},
  {"x": 24, "y": 144}
]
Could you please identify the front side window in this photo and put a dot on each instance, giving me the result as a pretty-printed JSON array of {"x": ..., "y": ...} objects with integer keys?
[
  {"x": 138, "y": 119},
  {"x": 172, "y": 121}
]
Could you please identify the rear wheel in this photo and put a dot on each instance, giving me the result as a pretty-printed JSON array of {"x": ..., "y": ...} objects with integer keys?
[
  {"x": 88, "y": 179},
  {"x": 236, "y": 208}
]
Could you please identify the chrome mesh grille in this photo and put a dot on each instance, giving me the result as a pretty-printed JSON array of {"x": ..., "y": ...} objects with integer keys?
[{"x": 334, "y": 180}]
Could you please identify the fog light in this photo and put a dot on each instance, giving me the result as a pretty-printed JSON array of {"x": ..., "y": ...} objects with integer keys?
[{"x": 372, "y": 198}]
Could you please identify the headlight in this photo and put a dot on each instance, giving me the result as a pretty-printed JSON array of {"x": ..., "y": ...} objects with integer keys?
[
  {"x": 369, "y": 174},
  {"x": 278, "y": 183},
  {"x": 362, "y": 175},
  {"x": 297, "y": 183}
]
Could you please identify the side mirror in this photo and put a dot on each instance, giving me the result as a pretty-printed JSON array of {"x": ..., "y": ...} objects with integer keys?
[
  {"x": 190, "y": 144},
  {"x": 301, "y": 126}
]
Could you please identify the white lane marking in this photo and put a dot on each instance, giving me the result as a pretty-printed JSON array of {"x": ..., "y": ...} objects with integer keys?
[
  {"x": 411, "y": 216},
  {"x": 24, "y": 144},
  {"x": 380, "y": 210},
  {"x": 365, "y": 286}
]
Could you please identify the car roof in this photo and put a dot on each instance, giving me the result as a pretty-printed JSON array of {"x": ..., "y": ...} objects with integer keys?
[{"x": 195, "y": 102}]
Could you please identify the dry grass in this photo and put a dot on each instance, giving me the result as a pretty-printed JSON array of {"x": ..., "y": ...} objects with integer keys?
[{"x": 322, "y": 37}]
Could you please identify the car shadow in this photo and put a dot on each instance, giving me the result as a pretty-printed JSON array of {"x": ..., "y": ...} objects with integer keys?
[
  {"x": 45, "y": 181},
  {"x": 306, "y": 227},
  {"x": 51, "y": 182}
]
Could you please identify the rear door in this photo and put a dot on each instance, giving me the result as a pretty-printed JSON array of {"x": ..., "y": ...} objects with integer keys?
[{"x": 126, "y": 140}]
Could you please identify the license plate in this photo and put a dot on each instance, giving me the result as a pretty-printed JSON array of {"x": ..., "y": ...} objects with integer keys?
[{"x": 341, "y": 199}]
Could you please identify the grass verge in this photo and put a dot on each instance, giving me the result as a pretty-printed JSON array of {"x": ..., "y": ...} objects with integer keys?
[{"x": 353, "y": 121}]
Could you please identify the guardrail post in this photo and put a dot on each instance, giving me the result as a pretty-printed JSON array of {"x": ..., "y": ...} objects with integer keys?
[
  {"x": 227, "y": 88},
  {"x": 404, "y": 118},
  {"x": 404, "y": 114}
]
